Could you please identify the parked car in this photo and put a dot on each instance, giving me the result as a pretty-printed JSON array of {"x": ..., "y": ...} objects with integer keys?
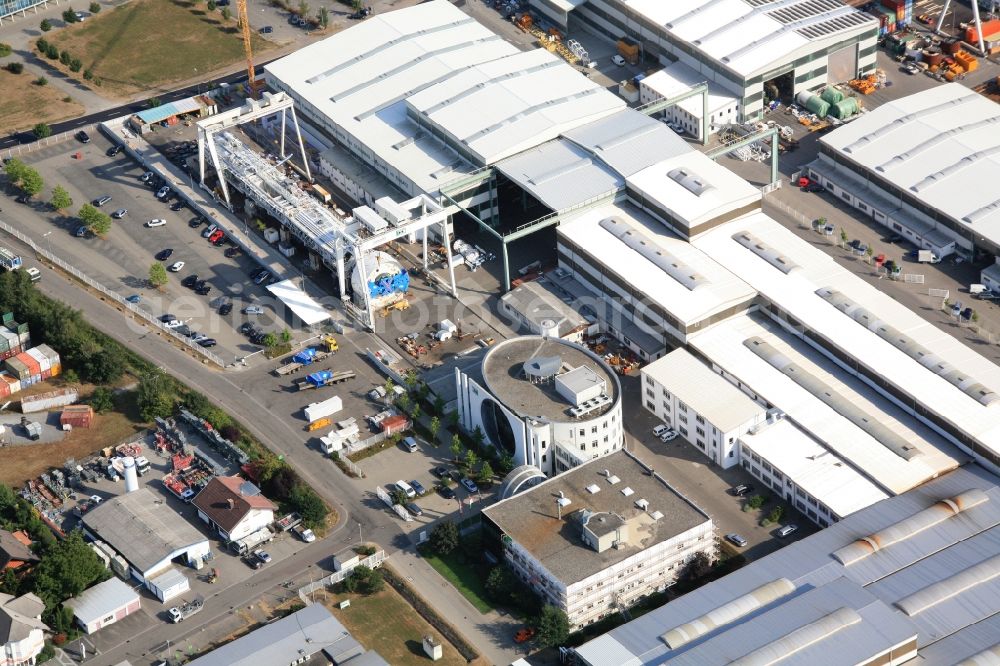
[
  {"x": 446, "y": 492},
  {"x": 190, "y": 281},
  {"x": 226, "y": 308},
  {"x": 146, "y": 177},
  {"x": 307, "y": 535},
  {"x": 203, "y": 290},
  {"x": 80, "y": 231},
  {"x": 232, "y": 252},
  {"x": 413, "y": 509},
  {"x": 440, "y": 471},
  {"x": 101, "y": 200},
  {"x": 173, "y": 323},
  {"x": 113, "y": 151},
  {"x": 406, "y": 489},
  {"x": 195, "y": 222},
  {"x": 410, "y": 444},
  {"x": 742, "y": 489},
  {"x": 208, "y": 342},
  {"x": 266, "y": 30},
  {"x": 262, "y": 556},
  {"x": 618, "y": 60},
  {"x": 469, "y": 485},
  {"x": 158, "y": 222},
  {"x": 813, "y": 187},
  {"x": 163, "y": 192},
  {"x": 262, "y": 277},
  {"x": 220, "y": 238},
  {"x": 163, "y": 255},
  {"x": 176, "y": 266},
  {"x": 736, "y": 540},
  {"x": 787, "y": 529},
  {"x": 209, "y": 230},
  {"x": 246, "y": 327},
  {"x": 82, "y": 137},
  {"x": 668, "y": 435},
  {"x": 23, "y": 199},
  {"x": 176, "y": 206},
  {"x": 120, "y": 213},
  {"x": 134, "y": 298},
  {"x": 417, "y": 486},
  {"x": 658, "y": 430},
  {"x": 167, "y": 317}
]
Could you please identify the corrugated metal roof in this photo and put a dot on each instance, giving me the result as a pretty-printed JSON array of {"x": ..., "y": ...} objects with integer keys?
[
  {"x": 169, "y": 110},
  {"x": 560, "y": 174},
  {"x": 102, "y": 600},
  {"x": 628, "y": 141},
  {"x": 870, "y": 586}
]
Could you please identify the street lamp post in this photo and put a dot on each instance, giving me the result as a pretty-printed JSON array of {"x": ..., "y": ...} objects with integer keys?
[{"x": 48, "y": 243}]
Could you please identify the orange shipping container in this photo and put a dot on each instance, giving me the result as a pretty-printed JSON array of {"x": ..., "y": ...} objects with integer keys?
[
  {"x": 990, "y": 28},
  {"x": 33, "y": 368},
  {"x": 968, "y": 61}
]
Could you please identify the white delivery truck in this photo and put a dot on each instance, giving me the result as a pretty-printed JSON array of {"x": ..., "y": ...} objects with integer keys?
[{"x": 317, "y": 410}]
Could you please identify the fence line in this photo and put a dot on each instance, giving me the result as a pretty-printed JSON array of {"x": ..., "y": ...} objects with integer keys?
[
  {"x": 131, "y": 307},
  {"x": 41, "y": 143},
  {"x": 372, "y": 561},
  {"x": 377, "y": 438}
]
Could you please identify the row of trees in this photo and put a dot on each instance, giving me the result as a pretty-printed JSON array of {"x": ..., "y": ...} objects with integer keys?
[
  {"x": 52, "y": 52},
  {"x": 24, "y": 177}
]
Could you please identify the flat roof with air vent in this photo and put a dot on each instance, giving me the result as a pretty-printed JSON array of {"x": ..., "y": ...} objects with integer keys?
[
  {"x": 931, "y": 587},
  {"x": 549, "y": 379},
  {"x": 531, "y": 518}
]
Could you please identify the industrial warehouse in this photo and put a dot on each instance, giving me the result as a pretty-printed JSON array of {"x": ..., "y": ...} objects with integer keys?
[{"x": 913, "y": 576}]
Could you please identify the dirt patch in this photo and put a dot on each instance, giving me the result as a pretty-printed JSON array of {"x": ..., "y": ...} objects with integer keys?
[{"x": 26, "y": 104}]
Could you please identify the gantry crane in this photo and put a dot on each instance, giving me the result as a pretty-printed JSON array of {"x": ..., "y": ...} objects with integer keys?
[{"x": 244, "y": 20}]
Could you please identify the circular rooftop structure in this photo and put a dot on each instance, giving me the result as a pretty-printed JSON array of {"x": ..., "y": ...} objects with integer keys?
[
  {"x": 550, "y": 379},
  {"x": 520, "y": 478}
]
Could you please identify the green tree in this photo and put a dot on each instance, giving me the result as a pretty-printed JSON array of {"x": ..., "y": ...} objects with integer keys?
[
  {"x": 211, "y": 5},
  {"x": 303, "y": 8},
  {"x": 105, "y": 365},
  {"x": 270, "y": 340},
  {"x": 697, "y": 567},
  {"x": 102, "y": 400},
  {"x": 553, "y": 627},
  {"x": 471, "y": 460},
  {"x": 154, "y": 396},
  {"x": 456, "y": 446},
  {"x": 286, "y": 336},
  {"x": 14, "y": 170},
  {"x": 843, "y": 237},
  {"x": 75, "y": 65},
  {"x": 42, "y": 131},
  {"x": 776, "y": 514},
  {"x": 323, "y": 17},
  {"x": 434, "y": 427},
  {"x": 485, "y": 473},
  {"x": 31, "y": 182},
  {"x": 444, "y": 537},
  {"x": 67, "y": 569},
  {"x": 52, "y": 52},
  {"x": 389, "y": 387},
  {"x": 154, "y": 102},
  {"x": 501, "y": 583},
  {"x": 453, "y": 419},
  {"x": 95, "y": 8},
  {"x": 14, "y": 67},
  {"x": 415, "y": 412},
  {"x": 438, "y": 405},
  {"x": 8, "y": 583},
  {"x": 69, "y": 16},
  {"x": 478, "y": 437},
  {"x": 71, "y": 377},
  {"x": 756, "y": 502},
  {"x": 403, "y": 401},
  {"x": 308, "y": 504},
  {"x": 94, "y": 219},
  {"x": 869, "y": 252},
  {"x": 41, "y": 82},
  {"x": 45, "y": 25},
  {"x": 226, "y": 14},
  {"x": 42, "y": 45},
  {"x": 61, "y": 199},
  {"x": 158, "y": 275},
  {"x": 65, "y": 57},
  {"x": 5, "y": 50},
  {"x": 506, "y": 464}
]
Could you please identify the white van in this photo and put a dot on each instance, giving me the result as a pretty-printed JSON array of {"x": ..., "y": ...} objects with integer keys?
[
  {"x": 786, "y": 530},
  {"x": 406, "y": 489},
  {"x": 34, "y": 274}
]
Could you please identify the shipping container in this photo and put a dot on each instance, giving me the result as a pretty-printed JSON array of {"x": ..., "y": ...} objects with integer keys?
[
  {"x": 393, "y": 424},
  {"x": 7, "y": 354},
  {"x": 5, "y": 340},
  {"x": 26, "y": 382},
  {"x": 4, "y": 389},
  {"x": 12, "y": 382},
  {"x": 43, "y": 402},
  {"x": 17, "y": 368},
  {"x": 34, "y": 369},
  {"x": 43, "y": 361},
  {"x": 77, "y": 416},
  {"x": 57, "y": 369},
  {"x": 46, "y": 374},
  {"x": 49, "y": 354}
]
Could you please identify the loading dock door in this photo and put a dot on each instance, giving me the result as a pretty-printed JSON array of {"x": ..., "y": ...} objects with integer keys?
[{"x": 842, "y": 65}]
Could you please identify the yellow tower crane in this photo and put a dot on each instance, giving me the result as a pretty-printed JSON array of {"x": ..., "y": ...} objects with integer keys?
[{"x": 241, "y": 14}]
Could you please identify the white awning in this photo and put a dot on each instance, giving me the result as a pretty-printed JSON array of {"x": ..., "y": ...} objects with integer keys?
[{"x": 304, "y": 307}]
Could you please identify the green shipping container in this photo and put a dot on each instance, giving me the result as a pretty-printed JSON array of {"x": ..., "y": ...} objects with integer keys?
[{"x": 832, "y": 95}]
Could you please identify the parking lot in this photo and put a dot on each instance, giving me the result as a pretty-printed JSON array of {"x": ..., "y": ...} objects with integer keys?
[{"x": 122, "y": 259}]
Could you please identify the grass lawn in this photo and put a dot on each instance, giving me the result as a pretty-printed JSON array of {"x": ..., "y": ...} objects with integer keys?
[
  {"x": 386, "y": 623},
  {"x": 462, "y": 574},
  {"x": 26, "y": 104},
  {"x": 20, "y": 463},
  {"x": 146, "y": 44}
]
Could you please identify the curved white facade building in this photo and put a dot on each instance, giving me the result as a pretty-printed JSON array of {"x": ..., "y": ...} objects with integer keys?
[{"x": 546, "y": 402}]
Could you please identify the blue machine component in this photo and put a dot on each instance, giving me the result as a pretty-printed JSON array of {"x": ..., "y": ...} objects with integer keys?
[
  {"x": 390, "y": 284},
  {"x": 305, "y": 356}
]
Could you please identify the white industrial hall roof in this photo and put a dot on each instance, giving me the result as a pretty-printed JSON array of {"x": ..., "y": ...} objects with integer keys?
[
  {"x": 299, "y": 302},
  {"x": 729, "y": 346},
  {"x": 940, "y": 146},
  {"x": 693, "y": 190},
  {"x": 818, "y": 471},
  {"x": 704, "y": 391},
  {"x": 670, "y": 272},
  {"x": 678, "y": 78},
  {"x": 918, "y": 566},
  {"x": 360, "y": 78},
  {"x": 904, "y": 350},
  {"x": 560, "y": 174},
  {"x": 752, "y": 36},
  {"x": 498, "y": 108}
]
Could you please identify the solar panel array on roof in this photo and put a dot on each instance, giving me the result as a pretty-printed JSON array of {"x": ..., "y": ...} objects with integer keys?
[
  {"x": 656, "y": 255},
  {"x": 968, "y": 385}
]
